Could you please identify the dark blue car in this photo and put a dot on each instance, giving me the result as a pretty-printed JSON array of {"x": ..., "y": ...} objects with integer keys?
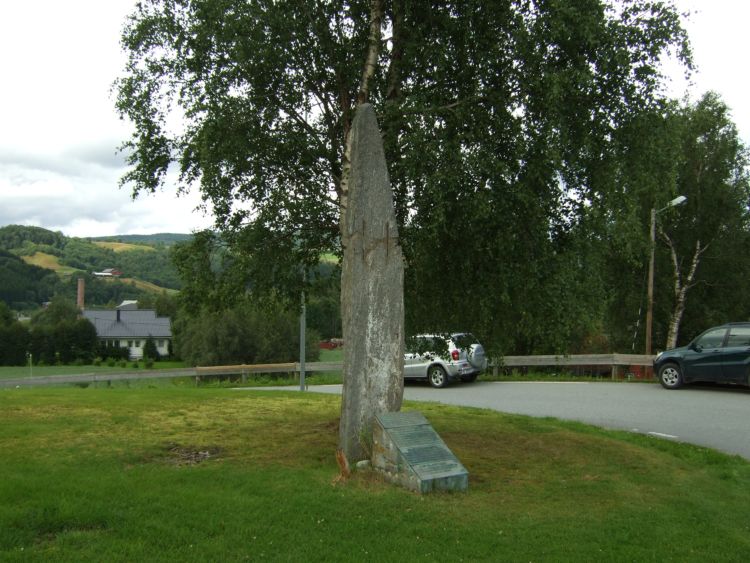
[{"x": 721, "y": 354}]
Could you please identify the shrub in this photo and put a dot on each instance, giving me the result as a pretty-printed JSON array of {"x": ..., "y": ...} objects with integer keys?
[
  {"x": 244, "y": 334},
  {"x": 150, "y": 350}
]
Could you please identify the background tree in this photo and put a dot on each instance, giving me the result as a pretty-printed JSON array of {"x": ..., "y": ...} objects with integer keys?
[
  {"x": 58, "y": 310},
  {"x": 6, "y": 315},
  {"x": 713, "y": 227},
  {"x": 245, "y": 333},
  {"x": 149, "y": 349},
  {"x": 14, "y": 338},
  {"x": 689, "y": 149}
]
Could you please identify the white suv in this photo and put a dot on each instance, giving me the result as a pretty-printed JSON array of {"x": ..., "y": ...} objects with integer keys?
[{"x": 441, "y": 359}]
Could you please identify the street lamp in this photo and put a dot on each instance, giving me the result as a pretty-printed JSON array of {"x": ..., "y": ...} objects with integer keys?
[{"x": 679, "y": 200}]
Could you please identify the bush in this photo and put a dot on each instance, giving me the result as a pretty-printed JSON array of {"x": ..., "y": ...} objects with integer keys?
[
  {"x": 245, "y": 334},
  {"x": 149, "y": 363},
  {"x": 150, "y": 350}
]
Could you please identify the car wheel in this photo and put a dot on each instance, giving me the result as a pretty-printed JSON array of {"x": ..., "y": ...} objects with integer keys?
[
  {"x": 437, "y": 377},
  {"x": 469, "y": 378},
  {"x": 670, "y": 376}
]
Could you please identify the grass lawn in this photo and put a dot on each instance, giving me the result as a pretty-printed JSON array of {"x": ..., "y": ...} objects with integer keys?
[{"x": 219, "y": 475}]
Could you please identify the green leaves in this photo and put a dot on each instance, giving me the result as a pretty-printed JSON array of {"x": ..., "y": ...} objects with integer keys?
[{"x": 498, "y": 119}]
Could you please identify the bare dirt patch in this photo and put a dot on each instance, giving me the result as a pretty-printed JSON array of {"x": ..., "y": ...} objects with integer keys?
[{"x": 190, "y": 455}]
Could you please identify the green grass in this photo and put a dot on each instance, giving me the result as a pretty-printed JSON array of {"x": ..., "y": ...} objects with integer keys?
[
  {"x": 221, "y": 475},
  {"x": 50, "y": 262}
]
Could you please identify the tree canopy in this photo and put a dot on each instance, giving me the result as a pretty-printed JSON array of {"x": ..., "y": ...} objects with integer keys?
[{"x": 496, "y": 117}]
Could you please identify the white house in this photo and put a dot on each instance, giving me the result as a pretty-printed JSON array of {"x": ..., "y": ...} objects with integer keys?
[{"x": 129, "y": 327}]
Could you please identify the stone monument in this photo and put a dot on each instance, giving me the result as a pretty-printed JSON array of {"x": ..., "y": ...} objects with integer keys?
[{"x": 372, "y": 281}]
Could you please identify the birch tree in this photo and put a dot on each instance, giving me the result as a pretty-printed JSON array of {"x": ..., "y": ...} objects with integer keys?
[
  {"x": 485, "y": 106},
  {"x": 713, "y": 175}
]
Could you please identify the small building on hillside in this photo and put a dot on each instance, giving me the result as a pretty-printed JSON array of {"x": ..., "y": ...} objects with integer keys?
[
  {"x": 130, "y": 327},
  {"x": 108, "y": 273}
]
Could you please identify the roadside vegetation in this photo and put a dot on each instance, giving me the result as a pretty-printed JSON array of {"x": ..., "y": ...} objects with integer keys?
[{"x": 222, "y": 475}]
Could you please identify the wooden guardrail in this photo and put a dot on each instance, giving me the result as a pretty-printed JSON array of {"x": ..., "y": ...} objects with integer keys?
[
  {"x": 242, "y": 370},
  {"x": 615, "y": 361}
]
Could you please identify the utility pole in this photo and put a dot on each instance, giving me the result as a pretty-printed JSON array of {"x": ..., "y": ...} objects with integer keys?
[
  {"x": 302, "y": 331},
  {"x": 650, "y": 298}
]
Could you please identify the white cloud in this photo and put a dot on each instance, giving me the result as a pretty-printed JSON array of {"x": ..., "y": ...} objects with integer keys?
[{"x": 59, "y": 166}]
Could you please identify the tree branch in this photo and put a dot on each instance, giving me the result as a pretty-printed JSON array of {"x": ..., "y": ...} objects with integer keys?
[{"x": 373, "y": 50}]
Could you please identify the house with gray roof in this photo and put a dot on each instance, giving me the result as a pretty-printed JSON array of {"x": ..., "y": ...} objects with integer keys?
[{"x": 129, "y": 327}]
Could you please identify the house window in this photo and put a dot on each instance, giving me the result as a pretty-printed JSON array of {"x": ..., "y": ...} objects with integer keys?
[
  {"x": 161, "y": 344},
  {"x": 130, "y": 343}
]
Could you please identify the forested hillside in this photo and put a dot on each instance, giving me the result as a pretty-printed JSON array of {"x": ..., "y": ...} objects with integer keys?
[
  {"x": 23, "y": 285},
  {"x": 36, "y": 264}
]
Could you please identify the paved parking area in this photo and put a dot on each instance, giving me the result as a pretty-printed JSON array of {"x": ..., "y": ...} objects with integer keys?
[{"x": 716, "y": 417}]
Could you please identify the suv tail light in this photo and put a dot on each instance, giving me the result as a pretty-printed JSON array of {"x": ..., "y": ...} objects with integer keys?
[{"x": 454, "y": 355}]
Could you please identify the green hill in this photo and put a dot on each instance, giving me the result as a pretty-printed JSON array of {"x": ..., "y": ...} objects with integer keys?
[
  {"x": 32, "y": 253},
  {"x": 24, "y": 286}
]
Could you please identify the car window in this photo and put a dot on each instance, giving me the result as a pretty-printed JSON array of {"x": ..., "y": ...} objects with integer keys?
[
  {"x": 739, "y": 336},
  {"x": 712, "y": 339}
]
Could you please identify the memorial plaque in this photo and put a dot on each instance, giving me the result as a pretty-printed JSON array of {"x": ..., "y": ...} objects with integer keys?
[{"x": 407, "y": 450}]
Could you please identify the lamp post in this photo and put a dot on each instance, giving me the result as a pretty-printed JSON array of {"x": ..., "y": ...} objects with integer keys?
[
  {"x": 679, "y": 200},
  {"x": 302, "y": 337}
]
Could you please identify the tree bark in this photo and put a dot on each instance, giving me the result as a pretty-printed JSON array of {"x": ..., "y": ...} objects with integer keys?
[{"x": 681, "y": 287}]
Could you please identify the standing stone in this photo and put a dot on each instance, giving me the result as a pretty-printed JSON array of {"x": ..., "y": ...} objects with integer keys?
[{"x": 372, "y": 292}]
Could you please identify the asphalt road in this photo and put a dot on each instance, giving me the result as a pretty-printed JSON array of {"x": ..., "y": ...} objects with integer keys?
[{"x": 716, "y": 417}]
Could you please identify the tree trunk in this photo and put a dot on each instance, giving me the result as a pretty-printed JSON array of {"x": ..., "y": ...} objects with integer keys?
[{"x": 681, "y": 288}]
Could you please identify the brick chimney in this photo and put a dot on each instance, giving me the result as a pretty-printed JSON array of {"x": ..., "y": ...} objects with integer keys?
[{"x": 81, "y": 293}]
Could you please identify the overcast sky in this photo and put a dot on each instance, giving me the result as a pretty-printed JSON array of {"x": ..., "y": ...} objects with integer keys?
[{"x": 59, "y": 131}]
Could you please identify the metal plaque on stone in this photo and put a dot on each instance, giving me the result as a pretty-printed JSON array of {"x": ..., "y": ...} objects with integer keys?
[{"x": 408, "y": 451}]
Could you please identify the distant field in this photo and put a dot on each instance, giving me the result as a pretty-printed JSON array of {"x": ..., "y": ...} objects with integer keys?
[
  {"x": 49, "y": 262},
  {"x": 148, "y": 286},
  {"x": 124, "y": 246}
]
